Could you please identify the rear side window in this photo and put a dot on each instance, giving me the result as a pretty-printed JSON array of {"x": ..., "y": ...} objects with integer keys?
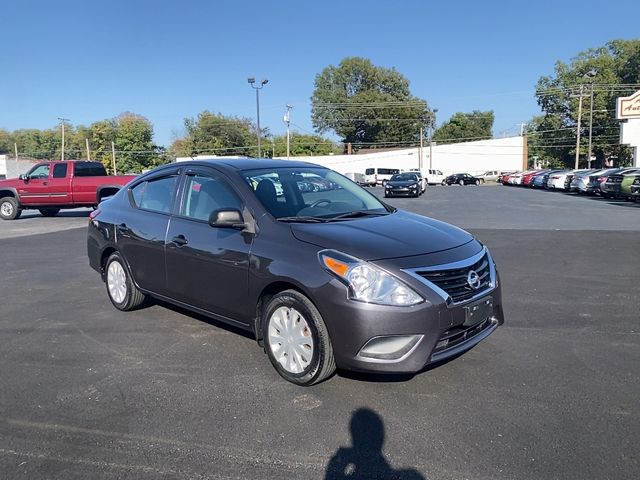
[
  {"x": 156, "y": 195},
  {"x": 205, "y": 193},
  {"x": 89, "y": 169},
  {"x": 388, "y": 171},
  {"x": 60, "y": 170}
]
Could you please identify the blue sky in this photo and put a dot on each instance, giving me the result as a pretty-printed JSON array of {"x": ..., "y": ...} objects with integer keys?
[{"x": 87, "y": 61}]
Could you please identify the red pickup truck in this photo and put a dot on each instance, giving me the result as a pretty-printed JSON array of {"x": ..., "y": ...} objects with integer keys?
[{"x": 52, "y": 186}]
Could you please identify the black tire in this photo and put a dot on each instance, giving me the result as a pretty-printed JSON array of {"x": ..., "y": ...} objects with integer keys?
[
  {"x": 9, "y": 208},
  {"x": 461, "y": 183},
  {"x": 49, "y": 212},
  {"x": 444, "y": 182},
  {"x": 386, "y": 196},
  {"x": 322, "y": 364},
  {"x": 132, "y": 298},
  {"x": 384, "y": 183},
  {"x": 478, "y": 182}
]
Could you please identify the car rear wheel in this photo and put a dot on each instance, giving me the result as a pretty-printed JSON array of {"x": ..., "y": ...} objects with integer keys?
[
  {"x": 461, "y": 183},
  {"x": 122, "y": 291},
  {"x": 9, "y": 209},
  {"x": 49, "y": 212},
  {"x": 296, "y": 339},
  {"x": 478, "y": 182}
]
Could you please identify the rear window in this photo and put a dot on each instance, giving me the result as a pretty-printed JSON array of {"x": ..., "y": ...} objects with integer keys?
[
  {"x": 89, "y": 169},
  {"x": 388, "y": 171},
  {"x": 369, "y": 171}
]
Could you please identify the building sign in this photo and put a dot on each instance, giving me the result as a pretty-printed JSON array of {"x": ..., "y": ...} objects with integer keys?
[{"x": 628, "y": 107}]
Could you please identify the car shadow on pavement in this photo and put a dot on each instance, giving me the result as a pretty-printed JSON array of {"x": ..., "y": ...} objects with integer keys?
[
  {"x": 65, "y": 214},
  {"x": 203, "y": 318},
  {"x": 364, "y": 458},
  {"x": 617, "y": 202}
]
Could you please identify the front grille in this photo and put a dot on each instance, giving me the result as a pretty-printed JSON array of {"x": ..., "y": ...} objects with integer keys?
[
  {"x": 457, "y": 335},
  {"x": 454, "y": 281}
]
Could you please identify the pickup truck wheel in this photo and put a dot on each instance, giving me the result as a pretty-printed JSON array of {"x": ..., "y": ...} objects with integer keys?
[
  {"x": 444, "y": 182},
  {"x": 296, "y": 339},
  {"x": 122, "y": 291},
  {"x": 9, "y": 209},
  {"x": 49, "y": 212}
]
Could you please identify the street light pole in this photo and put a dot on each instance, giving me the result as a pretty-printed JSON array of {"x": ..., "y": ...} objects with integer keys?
[
  {"x": 577, "y": 163},
  {"x": 252, "y": 82},
  {"x": 62, "y": 120}
]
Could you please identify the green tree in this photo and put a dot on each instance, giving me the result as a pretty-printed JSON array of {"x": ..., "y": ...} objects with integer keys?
[
  {"x": 134, "y": 143},
  {"x": 367, "y": 105},
  {"x": 466, "y": 127},
  {"x": 301, "y": 145},
  {"x": 612, "y": 70},
  {"x": 217, "y": 134}
]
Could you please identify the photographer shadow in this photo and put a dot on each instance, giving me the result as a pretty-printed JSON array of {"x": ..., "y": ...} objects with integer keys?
[{"x": 364, "y": 459}]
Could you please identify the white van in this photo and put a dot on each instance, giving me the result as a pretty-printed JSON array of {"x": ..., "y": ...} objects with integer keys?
[
  {"x": 379, "y": 176},
  {"x": 435, "y": 177}
]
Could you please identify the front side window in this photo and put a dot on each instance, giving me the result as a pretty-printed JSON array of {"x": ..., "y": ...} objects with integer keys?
[
  {"x": 40, "y": 171},
  {"x": 156, "y": 194},
  {"x": 369, "y": 171},
  {"x": 314, "y": 193},
  {"x": 205, "y": 193}
]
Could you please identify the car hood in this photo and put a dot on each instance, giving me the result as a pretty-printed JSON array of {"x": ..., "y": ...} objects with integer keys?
[
  {"x": 401, "y": 183},
  {"x": 400, "y": 234}
]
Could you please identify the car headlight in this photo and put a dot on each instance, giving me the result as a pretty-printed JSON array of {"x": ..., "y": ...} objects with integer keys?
[{"x": 366, "y": 282}]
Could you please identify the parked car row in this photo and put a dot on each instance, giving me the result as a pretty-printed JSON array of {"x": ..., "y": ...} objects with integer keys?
[{"x": 621, "y": 183}]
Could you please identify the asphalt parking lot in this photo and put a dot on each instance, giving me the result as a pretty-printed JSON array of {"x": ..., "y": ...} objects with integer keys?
[{"x": 91, "y": 392}]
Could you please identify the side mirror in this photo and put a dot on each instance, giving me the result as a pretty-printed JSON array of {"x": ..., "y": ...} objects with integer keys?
[
  {"x": 227, "y": 218},
  {"x": 24, "y": 177}
]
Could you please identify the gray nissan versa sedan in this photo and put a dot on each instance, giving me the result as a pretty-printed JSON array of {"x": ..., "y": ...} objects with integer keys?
[{"x": 324, "y": 279}]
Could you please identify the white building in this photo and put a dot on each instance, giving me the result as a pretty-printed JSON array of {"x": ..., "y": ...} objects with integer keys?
[{"x": 468, "y": 157}]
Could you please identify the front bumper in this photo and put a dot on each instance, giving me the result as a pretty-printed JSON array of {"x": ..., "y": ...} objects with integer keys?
[
  {"x": 444, "y": 329},
  {"x": 401, "y": 192}
]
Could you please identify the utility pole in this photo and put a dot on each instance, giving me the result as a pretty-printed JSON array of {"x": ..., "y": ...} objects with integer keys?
[
  {"x": 62, "y": 120},
  {"x": 578, "y": 129},
  {"x": 287, "y": 119},
  {"x": 113, "y": 157},
  {"x": 420, "y": 162},
  {"x": 431, "y": 129},
  {"x": 88, "y": 151}
]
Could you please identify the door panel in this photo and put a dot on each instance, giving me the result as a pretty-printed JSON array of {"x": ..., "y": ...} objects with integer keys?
[
  {"x": 208, "y": 267},
  {"x": 59, "y": 185},
  {"x": 36, "y": 190},
  {"x": 210, "y": 270},
  {"x": 142, "y": 228}
]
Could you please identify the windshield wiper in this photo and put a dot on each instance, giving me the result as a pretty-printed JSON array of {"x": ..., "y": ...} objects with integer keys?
[
  {"x": 356, "y": 214},
  {"x": 303, "y": 219}
]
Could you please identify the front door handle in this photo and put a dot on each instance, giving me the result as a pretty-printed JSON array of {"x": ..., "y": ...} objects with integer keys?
[{"x": 179, "y": 240}]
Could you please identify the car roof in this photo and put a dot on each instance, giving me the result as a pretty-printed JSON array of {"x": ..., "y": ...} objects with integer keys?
[{"x": 256, "y": 163}]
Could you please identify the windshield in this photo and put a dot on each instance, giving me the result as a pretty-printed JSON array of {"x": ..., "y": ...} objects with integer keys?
[
  {"x": 403, "y": 177},
  {"x": 311, "y": 194}
]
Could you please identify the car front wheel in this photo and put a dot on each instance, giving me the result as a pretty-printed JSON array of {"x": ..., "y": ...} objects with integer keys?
[
  {"x": 478, "y": 182},
  {"x": 461, "y": 183},
  {"x": 296, "y": 339},
  {"x": 122, "y": 291},
  {"x": 9, "y": 209}
]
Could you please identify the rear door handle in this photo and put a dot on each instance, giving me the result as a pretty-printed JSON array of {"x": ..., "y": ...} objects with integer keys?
[{"x": 179, "y": 240}]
